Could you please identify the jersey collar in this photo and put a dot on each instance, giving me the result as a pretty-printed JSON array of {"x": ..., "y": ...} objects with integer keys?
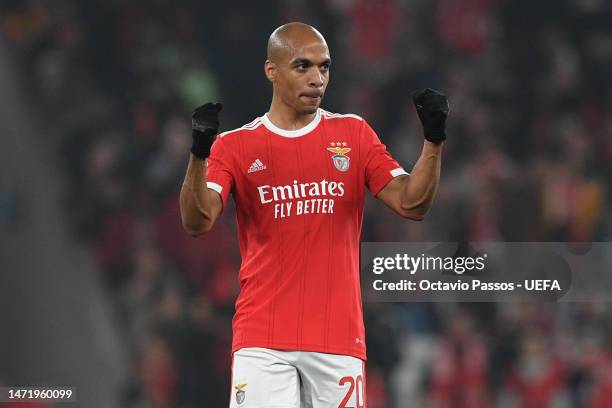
[{"x": 292, "y": 133}]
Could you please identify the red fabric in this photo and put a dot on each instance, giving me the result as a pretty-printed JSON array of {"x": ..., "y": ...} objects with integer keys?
[{"x": 299, "y": 276}]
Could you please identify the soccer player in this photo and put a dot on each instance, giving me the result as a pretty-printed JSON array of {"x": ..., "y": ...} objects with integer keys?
[{"x": 298, "y": 176}]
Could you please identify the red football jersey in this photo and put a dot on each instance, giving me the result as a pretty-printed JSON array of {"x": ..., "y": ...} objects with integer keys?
[{"x": 299, "y": 198}]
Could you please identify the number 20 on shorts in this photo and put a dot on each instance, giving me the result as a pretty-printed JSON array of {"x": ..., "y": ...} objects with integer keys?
[{"x": 356, "y": 385}]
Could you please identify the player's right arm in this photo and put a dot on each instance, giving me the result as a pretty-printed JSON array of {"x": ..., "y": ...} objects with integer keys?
[{"x": 200, "y": 206}]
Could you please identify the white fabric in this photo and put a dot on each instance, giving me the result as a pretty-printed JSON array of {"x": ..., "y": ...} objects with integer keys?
[
  {"x": 295, "y": 379},
  {"x": 214, "y": 186},
  {"x": 292, "y": 133},
  {"x": 398, "y": 172}
]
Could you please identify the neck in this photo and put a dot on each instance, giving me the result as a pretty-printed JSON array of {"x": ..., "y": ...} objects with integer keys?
[{"x": 286, "y": 117}]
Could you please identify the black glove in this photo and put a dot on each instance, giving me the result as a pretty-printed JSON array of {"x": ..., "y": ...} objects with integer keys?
[
  {"x": 432, "y": 108},
  {"x": 204, "y": 128}
]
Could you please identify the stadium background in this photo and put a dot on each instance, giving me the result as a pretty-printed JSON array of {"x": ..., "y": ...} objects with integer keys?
[{"x": 101, "y": 289}]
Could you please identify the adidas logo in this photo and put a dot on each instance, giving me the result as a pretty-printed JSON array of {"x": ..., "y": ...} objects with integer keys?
[{"x": 257, "y": 166}]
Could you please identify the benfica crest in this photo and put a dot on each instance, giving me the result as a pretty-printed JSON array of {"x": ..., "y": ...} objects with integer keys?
[
  {"x": 240, "y": 393},
  {"x": 340, "y": 159}
]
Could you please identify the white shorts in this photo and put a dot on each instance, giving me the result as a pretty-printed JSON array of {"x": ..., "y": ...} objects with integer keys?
[{"x": 266, "y": 378}]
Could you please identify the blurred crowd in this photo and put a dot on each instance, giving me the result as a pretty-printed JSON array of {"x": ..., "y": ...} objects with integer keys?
[{"x": 529, "y": 158}]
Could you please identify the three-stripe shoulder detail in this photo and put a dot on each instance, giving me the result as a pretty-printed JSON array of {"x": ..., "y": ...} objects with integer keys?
[
  {"x": 330, "y": 115},
  {"x": 249, "y": 126}
]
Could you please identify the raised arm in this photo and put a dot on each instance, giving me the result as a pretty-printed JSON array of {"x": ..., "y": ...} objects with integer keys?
[
  {"x": 200, "y": 206},
  {"x": 411, "y": 196}
]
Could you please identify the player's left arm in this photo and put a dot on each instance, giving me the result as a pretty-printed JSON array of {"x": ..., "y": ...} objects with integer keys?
[{"x": 411, "y": 196}]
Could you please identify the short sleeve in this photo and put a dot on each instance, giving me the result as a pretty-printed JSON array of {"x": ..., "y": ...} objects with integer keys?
[
  {"x": 219, "y": 175},
  {"x": 380, "y": 167}
]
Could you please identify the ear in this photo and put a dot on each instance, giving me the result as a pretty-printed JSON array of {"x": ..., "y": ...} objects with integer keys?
[{"x": 270, "y": 70}]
